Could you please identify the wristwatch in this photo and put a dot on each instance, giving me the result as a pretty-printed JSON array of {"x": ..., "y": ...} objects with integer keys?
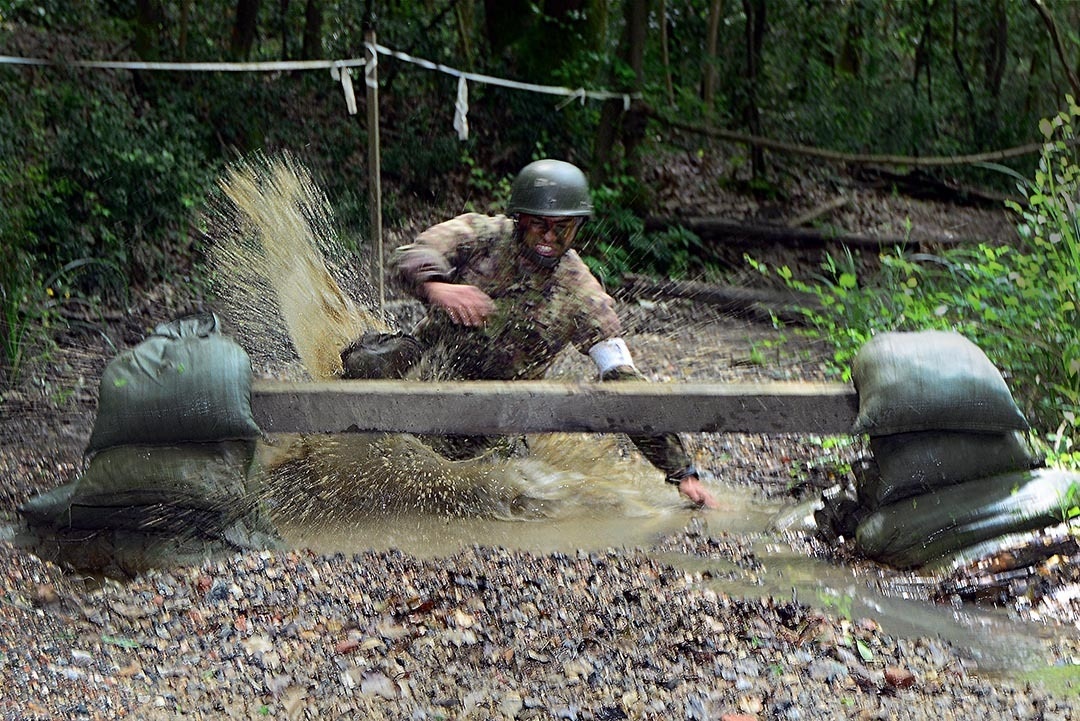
[{"x": 677, "y": 477}]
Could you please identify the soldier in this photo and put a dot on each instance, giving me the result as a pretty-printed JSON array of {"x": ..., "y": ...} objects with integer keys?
[{"x": 505, "y": 295}]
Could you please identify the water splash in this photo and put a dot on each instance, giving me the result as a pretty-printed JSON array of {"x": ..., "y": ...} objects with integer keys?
[
  {"x": 273, "y": 269},
  {"x": 275, "y": 264}
]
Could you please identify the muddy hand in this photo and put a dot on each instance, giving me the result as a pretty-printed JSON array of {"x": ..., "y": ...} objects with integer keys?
[
  {"x": 691, "y": 488},
  {"x": 465, "y": 304}
]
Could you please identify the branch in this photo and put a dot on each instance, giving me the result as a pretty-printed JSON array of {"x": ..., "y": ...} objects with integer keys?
[
  {"x": 1055, "y": 37},
  {"x": 797, "y": 149}
]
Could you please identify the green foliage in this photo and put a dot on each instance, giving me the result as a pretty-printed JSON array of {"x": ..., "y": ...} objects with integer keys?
[
  {"x": 844, "y": 314},
  {"x": 30, "y": 308},
  {"x": 100, "y": 176},
  {"x": 1020, "y": 305},
  {"x": 615, "y": 241}
]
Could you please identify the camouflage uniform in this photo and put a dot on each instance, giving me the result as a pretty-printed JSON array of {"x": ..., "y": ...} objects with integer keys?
[{"x": 537, "y": 314}]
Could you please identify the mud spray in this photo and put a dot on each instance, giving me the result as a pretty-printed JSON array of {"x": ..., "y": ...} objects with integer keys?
[{"x": 278, "y": 268}]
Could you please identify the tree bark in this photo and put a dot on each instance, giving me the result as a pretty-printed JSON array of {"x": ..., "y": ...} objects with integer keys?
[
  {"x": 245, "y": 26},
  {"x": 996, "y": 49},
  {"x": 666, "y": 59},
  {"x": 755, "y": 37},
  {"x": 283, "y": 20},
  {"x": 185, "y": 20},
  {"x": 148, "y": 19},
  {"x": 311, "y": 49},
  {"x": 612, "y": 128},
  {"x": 965, "y": 82},
  {"x": 708, "y": 92},
  {"x": 463, "y": 12}
]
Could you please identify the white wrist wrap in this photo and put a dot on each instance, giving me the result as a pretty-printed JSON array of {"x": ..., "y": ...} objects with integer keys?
[{"x": 611, "y": 353}]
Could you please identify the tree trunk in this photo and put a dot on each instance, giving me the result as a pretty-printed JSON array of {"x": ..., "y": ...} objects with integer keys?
[
  {"x": 612, "y": 128},
  {"x": 924, "y": 58},
  {"x": 313, "y": 22},
  {"x": 463, "y": 11},
  {"x": 283, "y": 18},
  {"x": 244, "y": 29},
  {"x": 664, "y": 53},
  {"x": 996, "y": 49},
  {"x": 503, "y": 24},
  {"x": 148, "y": 19},
  {"x": 1055, "y": 38},
  {"x": 851, "y": 52},
  {"x": 755, "y": 37},
  {"x": 965, "y": 83},
  {"x": 708, "y": 91},
  {"x": 185, "y": 20}
]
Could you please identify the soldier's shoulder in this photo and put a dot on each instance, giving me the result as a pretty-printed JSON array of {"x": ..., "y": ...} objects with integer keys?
[{"x": 576, "y": 274}]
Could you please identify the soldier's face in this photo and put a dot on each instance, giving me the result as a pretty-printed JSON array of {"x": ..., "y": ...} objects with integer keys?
[{"x": 548, "y": 238}]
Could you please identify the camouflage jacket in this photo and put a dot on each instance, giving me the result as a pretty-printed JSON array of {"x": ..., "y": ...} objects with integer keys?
[{"x": 537, "y": 313}]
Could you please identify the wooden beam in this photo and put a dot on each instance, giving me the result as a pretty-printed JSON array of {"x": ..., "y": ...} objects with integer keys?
[{"x": 499, "y": 407}]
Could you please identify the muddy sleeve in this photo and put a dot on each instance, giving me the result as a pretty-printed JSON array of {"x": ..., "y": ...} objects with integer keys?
[
  {"x": 664, "y": 450},
  {"x": 594, "y": 310},
  {"x": 439, "y": 251}
]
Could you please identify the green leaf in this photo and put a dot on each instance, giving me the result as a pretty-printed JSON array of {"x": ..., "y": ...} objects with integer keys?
[{"x": 864, "y": 651}]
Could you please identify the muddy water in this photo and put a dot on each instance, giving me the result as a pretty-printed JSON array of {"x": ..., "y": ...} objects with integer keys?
[
  {"x": 281, "y": 290},
  {"x": 569, "y": 496}
]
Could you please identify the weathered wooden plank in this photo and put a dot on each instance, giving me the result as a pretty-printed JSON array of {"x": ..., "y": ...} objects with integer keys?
[{"x": 497, "y": 407}]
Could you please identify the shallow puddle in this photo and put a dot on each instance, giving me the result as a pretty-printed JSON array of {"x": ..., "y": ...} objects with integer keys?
[{"x": 575, "y": 492}]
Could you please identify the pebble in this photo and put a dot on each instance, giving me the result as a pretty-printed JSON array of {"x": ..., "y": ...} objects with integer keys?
[{"x": 350, "y": 652}]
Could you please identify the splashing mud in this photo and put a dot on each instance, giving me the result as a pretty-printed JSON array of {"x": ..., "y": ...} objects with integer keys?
[
  {"x": 272, "y": 265},
  {"x": 274, "y": 269}
]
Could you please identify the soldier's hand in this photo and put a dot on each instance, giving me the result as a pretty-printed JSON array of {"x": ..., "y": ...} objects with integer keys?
[
  {"x": 691, "y": 488},
  {"x": 465, "y": 304}
]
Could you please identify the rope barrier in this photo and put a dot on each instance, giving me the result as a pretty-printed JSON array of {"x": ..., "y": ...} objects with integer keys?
[
  {"x": 339, "y": 71},
  {"x": 273, "y": 66}
]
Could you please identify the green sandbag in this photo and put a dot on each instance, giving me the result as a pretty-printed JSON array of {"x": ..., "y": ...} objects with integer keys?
[
  {"x": 191, "y": 489},
  {"x": 918, "y": 530},
  {"x": 184, "y": 383},
  {"x": 930, "y": 380},
  {"x": 909, "y": 464}
]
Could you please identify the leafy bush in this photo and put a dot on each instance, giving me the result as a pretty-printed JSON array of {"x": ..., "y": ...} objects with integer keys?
[
  {"x": 616, "y": 242},
  {"x": 1019, "y": 304}
]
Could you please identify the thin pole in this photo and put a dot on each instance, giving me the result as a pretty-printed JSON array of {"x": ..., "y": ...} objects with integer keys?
[{"x": 371, "y": 79}]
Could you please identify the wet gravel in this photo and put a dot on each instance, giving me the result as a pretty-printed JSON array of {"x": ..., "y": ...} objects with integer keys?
[{"x": 486, "y": 633}]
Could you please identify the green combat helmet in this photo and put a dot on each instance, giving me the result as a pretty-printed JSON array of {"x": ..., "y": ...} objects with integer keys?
[{"x": 551, "y": 188}]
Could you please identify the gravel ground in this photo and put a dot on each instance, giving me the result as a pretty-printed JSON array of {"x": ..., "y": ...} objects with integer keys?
[{"x": 487, "y": 633}]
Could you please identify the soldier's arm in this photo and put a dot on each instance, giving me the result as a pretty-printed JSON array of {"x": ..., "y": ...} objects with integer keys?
[
  {"x": 427, "y": 267},
  {"x": 665, "y": 450},
  {"x": 437, "y": 252}
]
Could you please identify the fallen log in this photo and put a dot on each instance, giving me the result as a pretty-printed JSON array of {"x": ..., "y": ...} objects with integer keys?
[
  {"x": 757, "y": 303},
  {"x": 729, "y": 232},
  {"x": 506, "y": 408}
]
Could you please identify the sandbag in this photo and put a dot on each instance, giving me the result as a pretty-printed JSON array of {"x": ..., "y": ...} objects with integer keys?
[
  {"x": 191, "y": 489},
  {"x": 909, "y": 464},
  {"x": 184, "y": 383},
  {"x": 918, "y": 530},
  {"x": 930, "y": 380}
]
